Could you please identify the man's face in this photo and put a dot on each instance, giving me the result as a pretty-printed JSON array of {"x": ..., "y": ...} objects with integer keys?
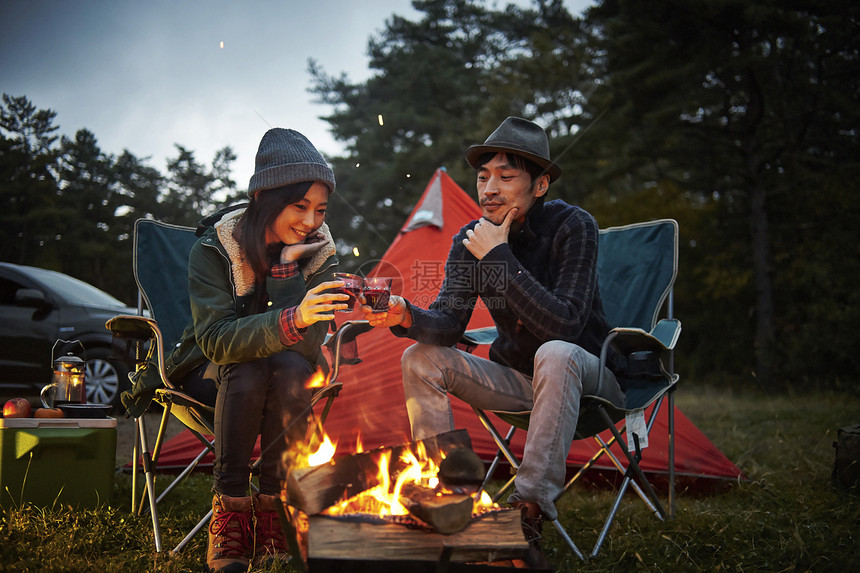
[{"x": 503, "y": 186}]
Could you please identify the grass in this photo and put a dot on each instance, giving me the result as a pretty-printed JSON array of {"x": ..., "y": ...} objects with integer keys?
[{"x": 786, "y": 517}]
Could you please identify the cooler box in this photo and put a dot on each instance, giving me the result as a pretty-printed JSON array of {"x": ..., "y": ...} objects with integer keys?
[{"x": 67, "y": 460}]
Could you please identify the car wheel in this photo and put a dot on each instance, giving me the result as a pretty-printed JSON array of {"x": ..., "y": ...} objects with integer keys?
[{"x": 106, "y": 379}]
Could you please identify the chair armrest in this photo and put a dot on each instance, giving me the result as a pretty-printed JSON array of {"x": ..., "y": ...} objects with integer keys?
[
  {"x": 644, "y": 386},
  {"x": 132, "y": 326},
  {"x": 149, "y": 373},
  {"x": 346, "y": 333},
  {"x": 182, "y": 399},
  {"x": 478, "y": 336},
  {"x": 667, "y": 332},
  {"x": 193, "y": 414},
  {"x": 345, "y": 338},
  {"x": 662, "y": 337}
]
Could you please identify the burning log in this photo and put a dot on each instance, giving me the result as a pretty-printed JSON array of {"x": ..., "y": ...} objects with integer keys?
[
  {"x": 444, "y": 512},
  {"x": 462, "y": 471},
  {"x": 316, "y": 488}
]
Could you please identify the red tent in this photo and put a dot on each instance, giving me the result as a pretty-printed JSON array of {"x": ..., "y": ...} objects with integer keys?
[{"x": 371, "y": 407}]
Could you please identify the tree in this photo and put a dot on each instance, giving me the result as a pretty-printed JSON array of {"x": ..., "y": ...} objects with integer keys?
[
  {"x": 737, "y": 102},
  {"x": 88, "y": 200},
  {"x": 136, "y": 191},
  {"x": 27, "y": 180},
  {"x": 192, "y": 189},
  {"x": 733, "y": 110},
  {"x": 738, "y": 119},
  {"x": 428, "y": 100},
  {"x": 139, "y": 186}
]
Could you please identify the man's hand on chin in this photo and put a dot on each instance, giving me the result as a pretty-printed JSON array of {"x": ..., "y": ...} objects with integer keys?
[{"x": 486, "y": 235}]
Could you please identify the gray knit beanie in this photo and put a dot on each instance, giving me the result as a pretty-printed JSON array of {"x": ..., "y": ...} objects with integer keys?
[{"x": 286, "y": 156}]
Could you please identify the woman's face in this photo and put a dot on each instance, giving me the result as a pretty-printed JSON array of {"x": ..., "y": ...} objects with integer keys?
[{"x": 298, "y": 220}]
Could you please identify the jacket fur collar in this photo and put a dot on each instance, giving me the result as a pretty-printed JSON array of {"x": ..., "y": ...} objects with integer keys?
[{"x": 243, "y": 274}]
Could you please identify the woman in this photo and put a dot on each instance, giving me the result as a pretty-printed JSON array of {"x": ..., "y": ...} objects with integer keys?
[{"x": 260, "y": 309}]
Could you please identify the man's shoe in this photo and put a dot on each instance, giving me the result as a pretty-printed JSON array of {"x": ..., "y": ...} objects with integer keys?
[
  {"x": 229, "y": 534},
  {"x": 270, "y": 545},
  {"x": 531, "y": 520}
]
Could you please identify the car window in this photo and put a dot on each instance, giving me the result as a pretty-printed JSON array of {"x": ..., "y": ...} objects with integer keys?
[
  {"x": 8, "y": 288},
  {"x": 76, "y": 292}
]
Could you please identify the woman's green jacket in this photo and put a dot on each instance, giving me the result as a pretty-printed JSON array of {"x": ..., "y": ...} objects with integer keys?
[{"x": 232, "y": 319}]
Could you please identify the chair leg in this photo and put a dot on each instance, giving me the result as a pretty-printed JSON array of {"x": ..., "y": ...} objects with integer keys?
[
  {"x": 495, "y": 464},
  {"x": 162, "y": 431},
  {"x": 611, "y": 517},
  {"x": 504, "y": 450},
  {"x": 634, "y": 466},
  {"x": 149, "y": 472},
  {"x": 604, "y": 449},
  {"x": 648, "y": 495},
  {"x": 135, "y": 456},
  {"x": 502, "y": 444},
  {"x": 497, "y": 437},
  {"x": 197, "y": 528},
  {"x": 326, "y": 409},
  {"x": 650, "y": 499},
  {"x": 210, "y": 447},
  {"x": 179, "y": 478},
  {"x": 617, "y": 463},
  {"x": 567, "y": 539},
  {"x": 505, "y": 487},
  {"x": 154, "y": 452},
  {"x": 671, "y": 413}
]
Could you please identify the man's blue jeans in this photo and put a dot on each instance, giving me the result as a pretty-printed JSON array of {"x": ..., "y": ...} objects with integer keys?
[{"x": 563, "y": 373}]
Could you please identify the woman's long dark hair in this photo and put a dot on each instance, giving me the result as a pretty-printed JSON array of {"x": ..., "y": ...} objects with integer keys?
[{"x": 264, "y": 208}]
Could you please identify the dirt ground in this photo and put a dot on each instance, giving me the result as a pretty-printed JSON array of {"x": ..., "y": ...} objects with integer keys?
[{"x": 125, "y": 433}]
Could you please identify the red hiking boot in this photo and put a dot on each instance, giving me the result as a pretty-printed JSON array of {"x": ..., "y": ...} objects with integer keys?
[{"x": 229, "y": 534}]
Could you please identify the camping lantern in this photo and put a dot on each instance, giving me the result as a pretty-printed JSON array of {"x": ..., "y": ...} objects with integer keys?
[{"x": 69, "y": 380}]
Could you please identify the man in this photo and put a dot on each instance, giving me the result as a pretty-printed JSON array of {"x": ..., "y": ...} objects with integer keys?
[{"x": 534, "y": 264}]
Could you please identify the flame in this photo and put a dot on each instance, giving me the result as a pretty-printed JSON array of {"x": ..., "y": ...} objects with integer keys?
[
  {"x": 315, "y": 450},
  {"x": 384, "y": 499},
  {"x": 484, "y": 504},
  {"x": 317, "y": 379},
  {"x": 388, "y": 502},
  {"x": 323, "y": 454},
  {"x": 413, "y": 466}
]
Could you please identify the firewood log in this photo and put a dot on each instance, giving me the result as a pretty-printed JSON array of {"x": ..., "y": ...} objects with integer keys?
[
  {"x": 446, "y": 513},
  {"x": 314, "y": 489},
  {"x": 493, "y": 536}
]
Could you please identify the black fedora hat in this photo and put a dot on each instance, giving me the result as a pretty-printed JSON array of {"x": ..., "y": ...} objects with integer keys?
[{"x": 519, "y": 136}]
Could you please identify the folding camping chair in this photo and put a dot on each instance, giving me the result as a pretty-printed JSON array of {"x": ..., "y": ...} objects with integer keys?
[
  {"x": 637, "y": 265},
  {"x": 161, "y": 268}
]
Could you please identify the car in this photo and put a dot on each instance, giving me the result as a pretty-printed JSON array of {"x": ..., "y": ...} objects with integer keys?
[{"x": 45, "y": 315}]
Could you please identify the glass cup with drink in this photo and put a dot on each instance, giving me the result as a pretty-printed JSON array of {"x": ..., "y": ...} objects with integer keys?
[
  {"x": 352, "y": 285},
  {"x": 377, "y": 291}
]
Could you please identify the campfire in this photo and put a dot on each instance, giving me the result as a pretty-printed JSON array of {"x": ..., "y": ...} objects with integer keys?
[
  {"x": 418, "y": 501},
  {"x": 417, "y": 491}
]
